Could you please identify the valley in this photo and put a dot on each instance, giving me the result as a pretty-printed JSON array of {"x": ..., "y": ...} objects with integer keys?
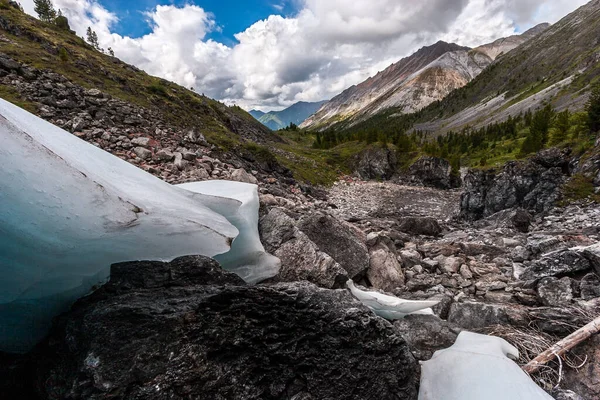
[{"x": 465, "y": 177}]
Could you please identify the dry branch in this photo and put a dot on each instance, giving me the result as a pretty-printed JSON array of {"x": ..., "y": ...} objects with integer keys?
[{"x": 562, "y": 346}]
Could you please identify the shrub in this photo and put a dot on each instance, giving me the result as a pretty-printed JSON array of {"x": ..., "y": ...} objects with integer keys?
[
  {"x": 63, "y": 54},
  {"x": 62, "y": 23}
]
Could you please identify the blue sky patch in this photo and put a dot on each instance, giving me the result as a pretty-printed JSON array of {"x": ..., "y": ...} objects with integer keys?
[{"x": 232, "y": 16}]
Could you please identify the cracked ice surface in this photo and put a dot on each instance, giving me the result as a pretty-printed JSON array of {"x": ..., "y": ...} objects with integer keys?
[{"x": 68, "y": 210}]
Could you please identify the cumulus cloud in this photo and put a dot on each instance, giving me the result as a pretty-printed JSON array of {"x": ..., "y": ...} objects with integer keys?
[{"x": 326, "y": 47}]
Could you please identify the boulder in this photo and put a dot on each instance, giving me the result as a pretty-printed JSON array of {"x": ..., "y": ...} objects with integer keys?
[
  {"x": 419, "y": 226},
  {"x": 475, "y": 315},
  {"x": 556, "y": 263},
  {"x": 517, "y": 218},
  {"x": 241, "y": 175},
  {"x": 555, "y": 292},
  {"x": 592, "y": 253},
  {"x": 589, "y": 286},
  {"x": 300, "y": 257},
  {"x": 338, "y": 240},
  {"x": 385, "y": 272},
  {"x": 376, "y": 162},
  {"x": 433, "y": 172},
  {"x": 142, "y": 153},
  {"x": 426, "y": 334},
  {"x": 194, "y": 331}
]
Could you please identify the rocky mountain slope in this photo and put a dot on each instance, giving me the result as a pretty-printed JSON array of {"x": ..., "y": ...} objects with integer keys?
[
  {"x": 556, "y": 66},
  {"x": 295, "y": 114},
  {"x": 416, "y": 81}
]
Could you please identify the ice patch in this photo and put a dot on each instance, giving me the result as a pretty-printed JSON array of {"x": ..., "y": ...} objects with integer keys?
[
  {"x": 391, "y": 307},
  {"x": 68, "y": 210},
  {"x": 477, "y": 367}
]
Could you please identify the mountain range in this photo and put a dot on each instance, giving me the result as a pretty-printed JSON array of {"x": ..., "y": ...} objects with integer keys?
[
  {"x": 416, "y": 81},
  {"x": 295, "y": 114}
]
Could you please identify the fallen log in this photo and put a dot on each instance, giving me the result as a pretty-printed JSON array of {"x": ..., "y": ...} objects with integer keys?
[{"x": 562, "y": 346}]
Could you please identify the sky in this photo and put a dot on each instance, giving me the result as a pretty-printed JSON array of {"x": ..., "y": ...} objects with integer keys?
[{"x": 270, "y": 54}]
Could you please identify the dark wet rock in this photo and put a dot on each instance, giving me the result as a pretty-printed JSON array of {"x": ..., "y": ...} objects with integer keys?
[
  {"x": 376, "y": 162},
  {"x": 339, "y": 240},
  {"x": 533, "y": 185},
  {"x": 557, "y": 263},
  {"x": 419, "y": 226},
  {"x": 300, "y": 258},
  {"x": 162, "y": 333},
  {"x": 555, "y": 292},
  {"x": 433, "y": 172},
  {"x": 426, "y": 334}
]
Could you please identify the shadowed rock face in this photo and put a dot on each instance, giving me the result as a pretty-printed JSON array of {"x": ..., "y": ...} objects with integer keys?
[
  {"x": 433, "y": 172},
  {"x": 187, "y": 329},
  {"x": 533, "y": 185}
]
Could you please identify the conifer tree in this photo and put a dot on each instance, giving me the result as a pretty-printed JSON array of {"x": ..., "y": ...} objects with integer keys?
[
  {"x": 45, "y": 10},
  {"x": 593, "y": 110},
  {"x": 92, "y": 38}
]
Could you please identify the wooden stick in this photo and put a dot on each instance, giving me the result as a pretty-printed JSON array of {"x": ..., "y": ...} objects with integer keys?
[{"x": 563, "y": 346}]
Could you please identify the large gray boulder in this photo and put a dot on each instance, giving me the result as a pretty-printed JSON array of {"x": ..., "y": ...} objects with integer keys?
[
  {"x": 342, "y": 242},
  {"x": 385, "y": 272},
  {"x": 300, "y": 258},
  {"x": 556, "y": 263},
  {"x": 187, "y": 329}
]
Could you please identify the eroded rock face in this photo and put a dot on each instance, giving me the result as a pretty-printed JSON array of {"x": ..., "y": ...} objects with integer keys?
[
  {"x": 419, "y": 226},
  {"x": 376, "y": 163},
  {"x": 533, "y": 185},
  {"x": 433, "y": 172},
  {"x": 187, "y": 329}
]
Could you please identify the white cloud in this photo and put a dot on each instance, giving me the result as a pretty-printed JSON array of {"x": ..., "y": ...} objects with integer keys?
[{"x": 326, "y": 47}]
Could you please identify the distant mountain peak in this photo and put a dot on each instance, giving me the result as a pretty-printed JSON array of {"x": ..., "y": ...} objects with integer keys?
[
  {"x": 296, "y": 114},
  {"x": 416, "y": 81}
]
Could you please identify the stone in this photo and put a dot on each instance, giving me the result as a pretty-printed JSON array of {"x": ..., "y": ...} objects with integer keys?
[
  {"x": 410, "y": 258},
  {"x": 556, "y": 263},
  {"x": 268, "y": 200},
  {"x": 426, "y": 334},
  {"x": 199, "y": 335},
  {"x": 188, "y": 155},
  {"x": 300, "y": 258},
  {"x": 475, "y": 315},
  {"x": 465, "y": 272},
  {"x": 93, "y": 93},
  {"x": 434, "y": 172},
  {"x": 449, "y": 265},
  {"x": 241, "y": 175},
  {"x": 555, "y": 292},
  {"x": 592, "y": 253},
  {"x": 165, "y": 155},
  {"x": 590, "y": 286},
  {"x": 338, "y": 240},
  {"x": 141, "y": 141},
  {"x": 475, "y": 249},
  {"x": 142, "y": 153},
  {"x": 385, "y": 272},
  {"x": 419, "y": 226}
]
